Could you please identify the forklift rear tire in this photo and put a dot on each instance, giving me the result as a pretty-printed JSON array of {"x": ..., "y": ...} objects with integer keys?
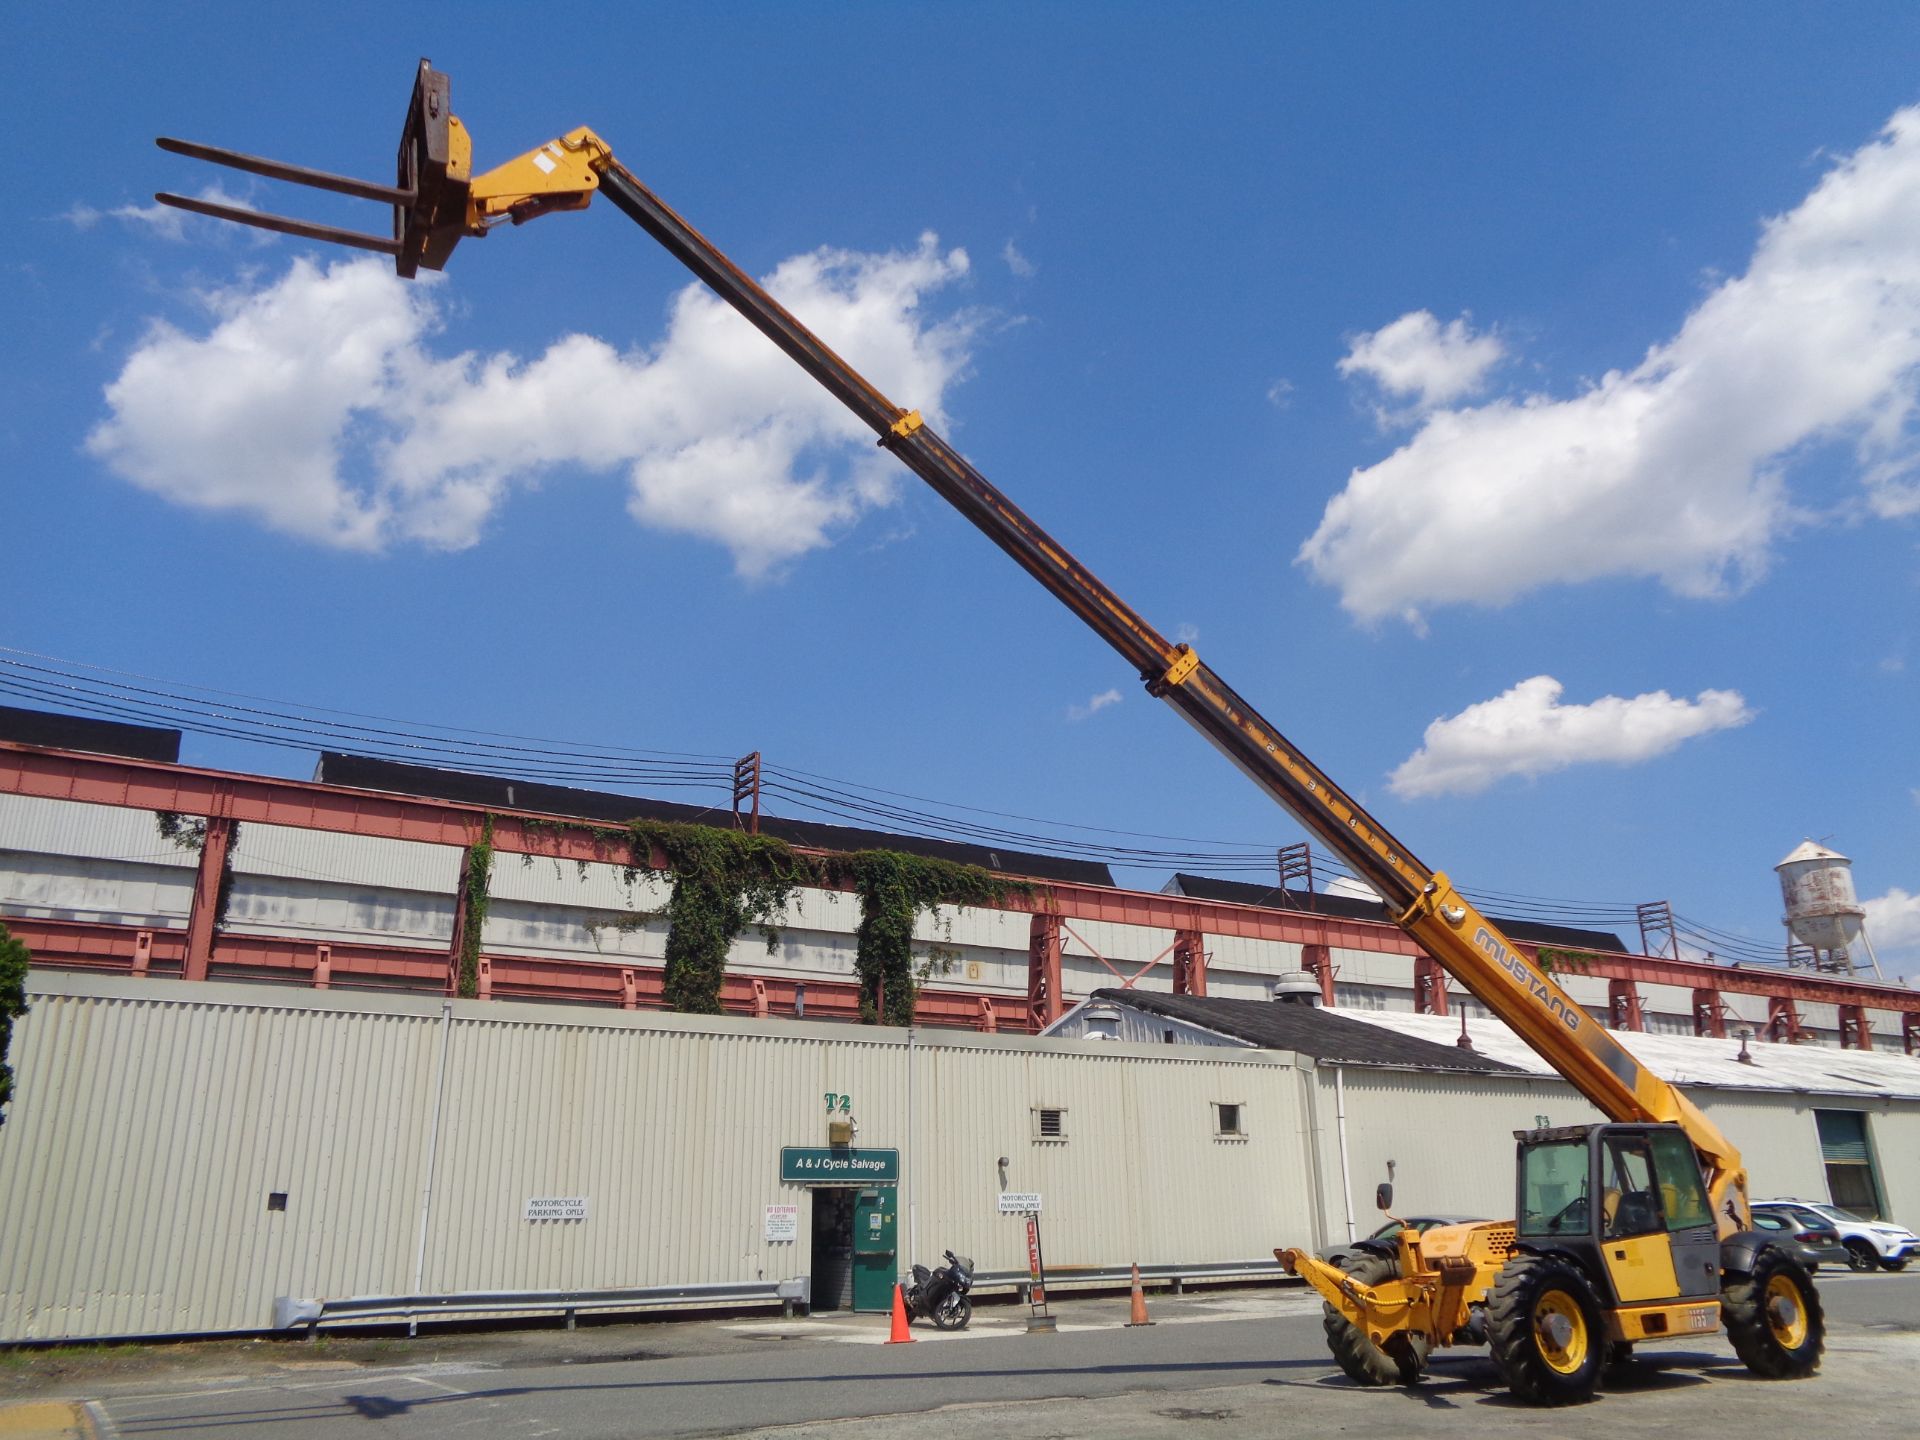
[
  {"x": 1546, "y": 1331},
  {"x": 1400, "y": 1361},
  {"x": 1773, "y": 1317}
]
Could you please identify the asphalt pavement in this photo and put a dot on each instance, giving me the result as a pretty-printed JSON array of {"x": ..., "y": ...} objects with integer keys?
[{"x": 1229, "y": 1363}]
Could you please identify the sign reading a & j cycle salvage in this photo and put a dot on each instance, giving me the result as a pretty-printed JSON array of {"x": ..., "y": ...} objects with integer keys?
[{"x": 838, "y": 1165}]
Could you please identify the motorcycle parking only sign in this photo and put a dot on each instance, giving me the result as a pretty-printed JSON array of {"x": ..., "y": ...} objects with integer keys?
[
  {"x": 1019, "y": 1202},
  {"x": 556, "y": 1207}
]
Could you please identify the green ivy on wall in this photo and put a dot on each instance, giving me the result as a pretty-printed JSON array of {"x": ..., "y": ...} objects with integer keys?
[
  {"x": 478, "y": 870},
  {"x": 191, "y": 836},
  {"x": 724, "y": 880},
  {"x": 894, "y": 890},
  {"x": 13, "y": 1004},
  {"x": 1565, "y": 962}
]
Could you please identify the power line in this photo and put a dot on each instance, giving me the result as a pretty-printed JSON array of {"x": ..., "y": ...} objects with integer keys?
[{"x": 142, "y": 699}]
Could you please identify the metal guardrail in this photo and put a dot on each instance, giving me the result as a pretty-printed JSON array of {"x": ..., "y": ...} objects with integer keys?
[
  {"x": 291, "y": 1312},
  {"x": 1068, "y": 1277}
]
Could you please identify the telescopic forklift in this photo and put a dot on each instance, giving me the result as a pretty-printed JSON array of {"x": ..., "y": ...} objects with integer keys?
[{"x": 1633, "y": 1230}]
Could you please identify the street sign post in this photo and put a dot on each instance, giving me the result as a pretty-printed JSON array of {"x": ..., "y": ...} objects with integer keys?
[{"x": 1039, "y": 1317}]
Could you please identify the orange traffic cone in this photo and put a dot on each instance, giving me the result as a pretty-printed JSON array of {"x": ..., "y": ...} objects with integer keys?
[
  {"x": 901, "y": 1335},
  {"x": 1139, "y": 1302}
]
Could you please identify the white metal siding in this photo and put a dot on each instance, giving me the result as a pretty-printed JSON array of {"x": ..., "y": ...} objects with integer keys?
[
  {"x": 29, "y": 824},
  {"x": 64, "y": 860},
  {"x": 159, "y": 1116},
  {"x": 1450, "y": 1138},
  {"x": 145, "y": 1135}
]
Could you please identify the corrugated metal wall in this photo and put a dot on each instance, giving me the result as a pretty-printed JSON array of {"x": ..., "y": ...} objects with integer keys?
[
  {"x": 1451, "y": 1138},
  {"x": 152, "y": 1121},
  {"x": 65, "y": 860},
  {"x": 1141, "y": 1175},
  {"x": 146, "y": 1134}
]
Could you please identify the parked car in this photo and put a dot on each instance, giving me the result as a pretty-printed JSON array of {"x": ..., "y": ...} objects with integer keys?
[
  {"x": 1341, "y": 1255},
  {"x": 1811, "y": 1244},
  {"x": 1869, "y": 1242}
]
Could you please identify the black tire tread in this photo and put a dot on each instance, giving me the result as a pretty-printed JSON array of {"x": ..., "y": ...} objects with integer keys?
[
  {"x": 1742, "y": 1310},
  {"x": 1362, "y": 1361},
  {"x": 1510, "y": 1333}
]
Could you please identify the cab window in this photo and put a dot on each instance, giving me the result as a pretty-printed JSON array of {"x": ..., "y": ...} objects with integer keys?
[
  {"x": 1630, "y": 1204},
  {"x": 1682, "y": 1195},
  {"x": 1553, "y": 1188}
]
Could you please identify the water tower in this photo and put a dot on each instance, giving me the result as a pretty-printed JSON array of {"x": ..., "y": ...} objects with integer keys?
[{"x": 1822, "y": 912}]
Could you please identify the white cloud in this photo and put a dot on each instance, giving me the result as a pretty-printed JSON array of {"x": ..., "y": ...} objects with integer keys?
[
  {"x": 316, "y": 405},
  {"x": 1672, "y": 470},
  {"x": 1019, "y": 264},
  {"x": 1280, "y": 394},
  {"x": 1094, "y": 706},
  {"x": 1527, "y": 731},
  {"x": 1418, "y": 359},
  {"x": 156, "y": 219},
  {"x": 1893, "y": 925}
]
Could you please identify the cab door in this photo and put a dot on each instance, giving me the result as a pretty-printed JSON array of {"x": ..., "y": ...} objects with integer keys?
[
  {"x": 1634, "y": 1243},
  {"x": 1683, "y": 1205}
]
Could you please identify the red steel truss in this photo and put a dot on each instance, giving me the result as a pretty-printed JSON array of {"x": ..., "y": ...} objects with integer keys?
[{"x": 225, "y": 798}]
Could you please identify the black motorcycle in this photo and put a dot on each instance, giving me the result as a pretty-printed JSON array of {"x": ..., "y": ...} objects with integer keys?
[{"x": 941, "y": 1295}]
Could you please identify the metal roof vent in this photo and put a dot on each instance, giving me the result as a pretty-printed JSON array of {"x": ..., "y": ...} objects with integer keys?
[
  {"x": 1102, "y": 1022},
  {"x": 1296, "y": 987}
]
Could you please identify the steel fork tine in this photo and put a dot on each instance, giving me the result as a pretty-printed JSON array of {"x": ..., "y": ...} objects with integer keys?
[
  {"x": 285, "y": 225},
  {"x": 297, "y": 174}
]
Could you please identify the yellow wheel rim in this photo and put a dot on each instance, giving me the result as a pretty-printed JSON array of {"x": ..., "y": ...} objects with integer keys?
[
  {"x": 1786, "y": 1312},
  {"x": 1562, "y": 1331}
]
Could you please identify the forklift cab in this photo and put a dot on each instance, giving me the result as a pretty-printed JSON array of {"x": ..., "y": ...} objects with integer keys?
[{"x": 1626, "y": 1203}]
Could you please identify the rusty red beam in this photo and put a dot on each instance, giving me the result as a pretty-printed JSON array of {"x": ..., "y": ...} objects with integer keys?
[
  {"x": 154, "y": 785},
  {"x": 1781, "y": 984},
  {"x": 84, "y": 945},
  {"x": 307, "y": 805}
]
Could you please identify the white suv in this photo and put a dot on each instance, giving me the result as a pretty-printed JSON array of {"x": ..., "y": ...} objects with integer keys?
[{"x": 1870, "y": 1242}]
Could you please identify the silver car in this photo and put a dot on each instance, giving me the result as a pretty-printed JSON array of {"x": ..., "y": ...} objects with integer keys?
[{"x": 1813, "y": 1245}]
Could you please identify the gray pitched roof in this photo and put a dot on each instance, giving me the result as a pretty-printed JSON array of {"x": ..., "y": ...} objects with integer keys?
[{"x": 1306, "y": 1030}]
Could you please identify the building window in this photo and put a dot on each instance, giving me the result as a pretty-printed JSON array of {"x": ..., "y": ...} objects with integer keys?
[
  {"x": 1229, "y": 1120},
  {"x": 1049, "y": 1124},
  {"x": 1851, "y": 1177}
]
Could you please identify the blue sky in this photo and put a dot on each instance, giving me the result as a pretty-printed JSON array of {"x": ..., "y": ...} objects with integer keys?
[{"x": 1514, "y": 401}]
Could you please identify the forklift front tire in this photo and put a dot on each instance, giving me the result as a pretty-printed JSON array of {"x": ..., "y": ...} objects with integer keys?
[
  {"x": 1546, "y": 1331},
  {"x": 1774, "y": 1318}
]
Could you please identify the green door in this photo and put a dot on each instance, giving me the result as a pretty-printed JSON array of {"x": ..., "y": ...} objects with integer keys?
[{"x": 875, "y": 1245}]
